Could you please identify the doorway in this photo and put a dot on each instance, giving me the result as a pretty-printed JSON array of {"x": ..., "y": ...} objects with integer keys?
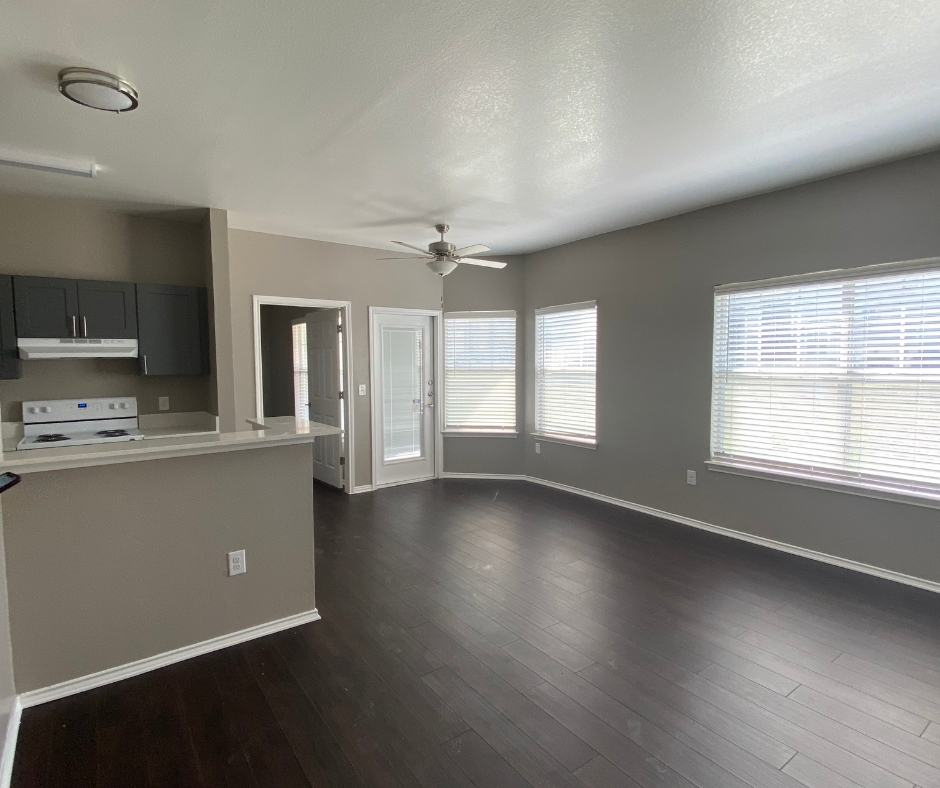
[
  {"x": 406, "y": 436},
  {"x": 302, "y": 363}
]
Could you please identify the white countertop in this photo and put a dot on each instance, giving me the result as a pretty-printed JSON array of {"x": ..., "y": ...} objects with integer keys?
[{"x": 59, "y": 458}]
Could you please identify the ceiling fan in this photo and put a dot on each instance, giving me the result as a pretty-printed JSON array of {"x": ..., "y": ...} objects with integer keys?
[{"x": 443, "y": 257}]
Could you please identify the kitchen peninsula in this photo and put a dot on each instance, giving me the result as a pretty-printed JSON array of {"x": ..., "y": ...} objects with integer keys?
[{"x": 117, "y": 553}]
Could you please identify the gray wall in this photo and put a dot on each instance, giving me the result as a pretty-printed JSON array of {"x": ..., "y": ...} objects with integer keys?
[
  {"x": 654, "y": 289},
  {"x": 78, "y": 239},
  {"x": 277, "y": 357},
  {"x": 112, "y": 564},
  {"x": 477, "y": 289},
  {"x": 277, "y": 265}
]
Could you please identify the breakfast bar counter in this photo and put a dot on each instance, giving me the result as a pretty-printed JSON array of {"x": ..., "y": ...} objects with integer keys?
[
  {"x": 282, "y": 432},
  {"x": 117, "y": 553}
]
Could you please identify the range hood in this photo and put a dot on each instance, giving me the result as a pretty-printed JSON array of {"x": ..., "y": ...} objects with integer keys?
[{"x": 77, "y": 348}]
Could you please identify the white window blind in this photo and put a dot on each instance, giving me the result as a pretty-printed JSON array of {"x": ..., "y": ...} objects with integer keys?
[
  {"x": 832, "y": 377},
  {"x": 480, "y": 371},
  {"x": 566, "y": 371},
  {"x": 301, "y": 379}
]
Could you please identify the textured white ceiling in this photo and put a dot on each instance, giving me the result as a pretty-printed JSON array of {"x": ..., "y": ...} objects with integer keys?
[{"x": 524, "y": 124}]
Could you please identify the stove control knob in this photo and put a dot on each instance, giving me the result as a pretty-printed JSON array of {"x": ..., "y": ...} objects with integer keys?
[
  {"x": 33, "y": 410},
  {"x": 123, "y": 405},
  {"x": 112, "y": 406},
  {"x": 45, "y": 409}
]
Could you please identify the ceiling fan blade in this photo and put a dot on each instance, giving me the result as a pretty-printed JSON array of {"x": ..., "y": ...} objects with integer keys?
[
  {"x": 398, "y": 258},
  {"x": 409, "y": 246},
  {"x": 475, "y": 249},
  {"x": 485, "y": 263}
]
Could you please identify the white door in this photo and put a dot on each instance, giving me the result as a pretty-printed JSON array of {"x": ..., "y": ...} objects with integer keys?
[
  {"x": 403, "y": 426},
  {"x": 325, "y": 392}
]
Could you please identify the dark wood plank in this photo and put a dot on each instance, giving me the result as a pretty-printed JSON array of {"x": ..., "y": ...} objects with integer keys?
[{"x": 502, "y": 634}]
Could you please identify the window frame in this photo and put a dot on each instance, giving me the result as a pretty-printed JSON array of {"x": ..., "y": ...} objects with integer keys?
[
  {"x": 584, "y": 442},
  {"x": 488, "y": 432},
  {"x": 819, "y": 479}
]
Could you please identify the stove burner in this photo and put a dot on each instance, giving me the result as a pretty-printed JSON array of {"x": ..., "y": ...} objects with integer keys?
[
  {"x": 51, "y": 438},
  {"x": 111, "y": 433}
]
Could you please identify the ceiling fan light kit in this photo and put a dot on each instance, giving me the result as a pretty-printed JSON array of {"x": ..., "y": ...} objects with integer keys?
[
  {"x": 444, "y": 257},
  {"x": 442, "y": 267},
  {"x": 97, "y": 89}
]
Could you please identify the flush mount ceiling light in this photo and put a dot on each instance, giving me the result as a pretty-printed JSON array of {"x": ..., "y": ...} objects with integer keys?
[{"x": 97, "y": 89}]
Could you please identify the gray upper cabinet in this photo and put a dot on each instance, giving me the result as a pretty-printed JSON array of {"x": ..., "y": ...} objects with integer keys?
[
  {"x": 45, "y": 307},
  {"x": 107, "y": 310},
  {"x": 55, "y": 308},
  {"x": 173, "y": 331},
  {"x": 9, "y": 358}
]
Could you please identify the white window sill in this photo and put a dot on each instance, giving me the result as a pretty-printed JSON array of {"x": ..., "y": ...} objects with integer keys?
[
  {"x": 581, "y": 443},
  {"x": 865, "y": 489},
  {"x": 478, "y": 434}
]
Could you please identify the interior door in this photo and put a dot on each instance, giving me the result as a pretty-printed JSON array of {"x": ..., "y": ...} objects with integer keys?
[
  {"x": 403, "y": 437},
  {"x": 325, "y": 391}
]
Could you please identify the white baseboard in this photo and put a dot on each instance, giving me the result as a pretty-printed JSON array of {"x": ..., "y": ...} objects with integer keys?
[
  {"x": 361, "y": 488},
  {"x": 773, "y": 544},
  {"x": 506, "y": 477},
  {"x": 111, "y": 675},
  {"x": 9, "y": 743}
]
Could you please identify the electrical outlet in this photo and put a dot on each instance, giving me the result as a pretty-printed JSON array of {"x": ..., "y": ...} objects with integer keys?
[
  {"x": 236, "y": 563},
  {"x": 163, "y": 403},
  {"x": 362, "y": 389},
  {"x": 538, "y": 448},
  {"x": 690, "y": 477}
]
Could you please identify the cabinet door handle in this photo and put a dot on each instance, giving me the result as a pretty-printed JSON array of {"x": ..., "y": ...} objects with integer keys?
[
  {"x": 74, "y": 327},
  {"x": 145, "y": 363},
  {"x": 84, "y": 326}
]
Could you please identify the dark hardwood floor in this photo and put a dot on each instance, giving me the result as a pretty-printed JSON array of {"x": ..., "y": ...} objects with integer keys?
[{"x": 504, "y": 634}]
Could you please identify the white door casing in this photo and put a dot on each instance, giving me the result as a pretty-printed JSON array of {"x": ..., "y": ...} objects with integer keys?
[
  {"x": 404, "y": 416},
  {"x": 325, "y": 388}
]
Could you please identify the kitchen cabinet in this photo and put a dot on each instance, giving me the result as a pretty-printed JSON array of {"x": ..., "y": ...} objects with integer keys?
[
  {"x": 107, "y": 310},
  {"x": 172, "y": 330},
  {"x": 48, "y": 308},
  {"x": 9, "y": 359}
]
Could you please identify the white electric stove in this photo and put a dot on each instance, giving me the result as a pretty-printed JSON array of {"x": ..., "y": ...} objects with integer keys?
[{"x": 79, "y": 422}]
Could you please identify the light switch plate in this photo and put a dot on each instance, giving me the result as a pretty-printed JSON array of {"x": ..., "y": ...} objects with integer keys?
[
  {"x": 538, "y": 448},
  {"x": 362, "y": 389},
  {"x": 690, "y": 477},
  {"x": 236, "y": 563},
  {"x": 163, "y": 403}
]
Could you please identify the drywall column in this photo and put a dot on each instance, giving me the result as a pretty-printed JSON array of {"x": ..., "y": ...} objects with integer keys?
[{"x": 222, "y": 342}]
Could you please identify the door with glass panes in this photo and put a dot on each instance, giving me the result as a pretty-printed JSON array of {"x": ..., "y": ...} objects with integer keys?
[{"x": 403, "y": 398}]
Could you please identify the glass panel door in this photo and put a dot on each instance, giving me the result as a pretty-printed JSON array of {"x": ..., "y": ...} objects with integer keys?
[
  {"x": 402, "y": 396},
  {"x": 404, "y": 427}
]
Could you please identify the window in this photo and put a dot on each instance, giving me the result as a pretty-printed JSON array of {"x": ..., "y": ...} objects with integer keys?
[
  {"x": 301, "y": 381},
  {"x": 480, "y": 372},
  {"x": 565, "y": 371},
  {"x": 832, "y": 377}
]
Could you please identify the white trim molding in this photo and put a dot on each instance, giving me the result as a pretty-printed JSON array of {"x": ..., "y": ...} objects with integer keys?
[
  {"x": 9, "y": 743},
  {"x": 257, "y": 301},
  {"x": 363, "y": 488},
  {"x": 111, "y": 675},
  {"x": 773, "y": 544},
  {"x": 504, "y": 477}
]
